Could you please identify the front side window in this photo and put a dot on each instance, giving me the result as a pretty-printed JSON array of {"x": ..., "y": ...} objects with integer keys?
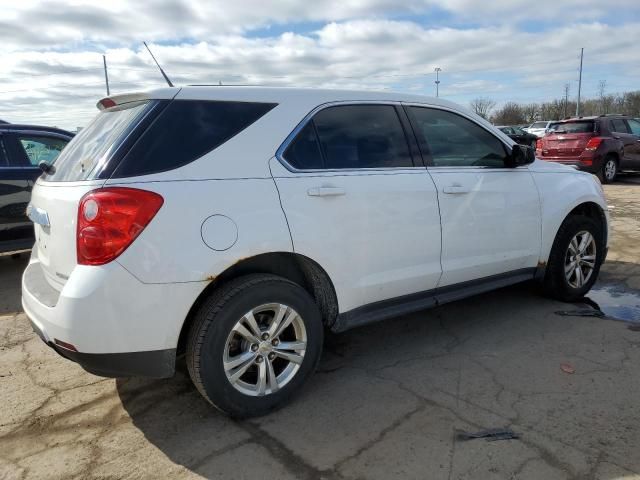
[
  {"x": 4, "y": 159},
  {"x": 40, "y": 148},
  {"x": 352, "y": 137},
  {"x": 634, "y": 125},
  {"x": 454, "y": 141}
]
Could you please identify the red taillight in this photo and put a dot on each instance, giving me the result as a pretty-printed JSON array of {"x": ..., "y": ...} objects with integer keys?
[
  {"x": 539, "y": 144},
  {"x": 593, "y": 143},
  {"x": 110, "y": 219}
]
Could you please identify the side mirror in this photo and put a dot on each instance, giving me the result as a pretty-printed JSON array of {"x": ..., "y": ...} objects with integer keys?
[{"x": 520, "y": 155}]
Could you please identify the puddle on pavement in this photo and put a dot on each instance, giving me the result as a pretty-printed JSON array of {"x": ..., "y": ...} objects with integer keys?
[{"x": 615, "y": 302}]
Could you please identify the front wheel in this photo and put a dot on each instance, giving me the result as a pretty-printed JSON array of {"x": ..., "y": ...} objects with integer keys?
[
  {"x": 575, "y": 259},
  {"x": 253, "y": 343}
]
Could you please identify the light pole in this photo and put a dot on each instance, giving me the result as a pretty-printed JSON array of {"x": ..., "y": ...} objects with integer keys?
[{"x": 437, "y": 70}]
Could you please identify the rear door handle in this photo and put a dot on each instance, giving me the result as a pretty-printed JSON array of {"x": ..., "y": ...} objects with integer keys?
[
  {"x": 325, "y": 191},
  {"x": 455, "y": 189}
]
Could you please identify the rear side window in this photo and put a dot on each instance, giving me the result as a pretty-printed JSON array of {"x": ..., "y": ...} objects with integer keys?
[
  {"x": 454, "y": 141},
  {"x": 185, "y": 131},
  {"x": 304, "y": 152},
  {"x": 41, "y": 148},
  {"x": 582, "y": 126},
  {"x": 619, "y": 125},
  {"x": 351, "y": 137}
]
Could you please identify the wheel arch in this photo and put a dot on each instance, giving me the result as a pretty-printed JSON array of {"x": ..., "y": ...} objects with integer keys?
[
  {"x": 587, "y": 208},
  {"x": 295, "y": 267}
]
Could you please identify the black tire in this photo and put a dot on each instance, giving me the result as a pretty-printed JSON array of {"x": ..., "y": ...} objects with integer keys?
[
  {"x": 215, "y": 319},
  {"x": 556, "y": 284},
  {"x": 610, "y": 161}
]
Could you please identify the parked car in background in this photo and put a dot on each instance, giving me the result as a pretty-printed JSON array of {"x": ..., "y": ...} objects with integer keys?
[
  {"x": 539, "y": 129},
  {"x": 603, "y": 145},
  {"x": 520, "y": 136},
  {"x": 236, "y": 224},
  {"x": 22, "y": 148}
]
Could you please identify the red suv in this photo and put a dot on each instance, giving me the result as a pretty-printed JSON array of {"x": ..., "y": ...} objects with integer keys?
[{"x": 602, "y": 145}]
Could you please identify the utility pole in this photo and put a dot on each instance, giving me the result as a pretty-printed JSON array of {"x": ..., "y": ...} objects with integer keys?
[
  {"x": 106, "y": 75},
  {"x": 579, "y": 83},
  {"x": 566, "y": 99},
  {"x": 437, "y": 70}
]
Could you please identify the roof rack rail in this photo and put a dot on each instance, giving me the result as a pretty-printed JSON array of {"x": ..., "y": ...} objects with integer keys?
[{"x": 612, "y": 115}]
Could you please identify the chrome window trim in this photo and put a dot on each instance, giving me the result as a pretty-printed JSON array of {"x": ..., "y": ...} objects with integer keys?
[{"x": 303, "y": 123}]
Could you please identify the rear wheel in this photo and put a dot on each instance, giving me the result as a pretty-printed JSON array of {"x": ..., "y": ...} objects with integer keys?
[
  {"x": 575, "y": 258},
  {"x": 609, "y": 169},
  {"x": 253, "y": 343}
]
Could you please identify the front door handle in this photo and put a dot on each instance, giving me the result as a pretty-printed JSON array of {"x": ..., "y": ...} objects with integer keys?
[
  {"x": 325, "y": 191},
  {"x": 455, "y": 189}
]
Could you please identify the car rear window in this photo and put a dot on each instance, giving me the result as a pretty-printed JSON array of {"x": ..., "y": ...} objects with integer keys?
[
  {"x": 185, "y": 131},
  {"x": 579, "y": 126},
  {"x": 539, "y": 125},
  {"x": 86, "y": 154}
]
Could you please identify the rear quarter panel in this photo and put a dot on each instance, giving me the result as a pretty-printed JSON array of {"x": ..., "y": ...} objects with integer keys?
[{"x": 171, "y": 248}]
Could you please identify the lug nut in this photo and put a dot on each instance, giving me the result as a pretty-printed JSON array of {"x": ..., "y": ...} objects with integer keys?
[
  {"x": 275, "y": 342},
  {"x": 265, "y": 336},
  {"x": 254, "y": 347},
  {"x": 260, "y": 359},
  {"x": 272, "y": 356}
]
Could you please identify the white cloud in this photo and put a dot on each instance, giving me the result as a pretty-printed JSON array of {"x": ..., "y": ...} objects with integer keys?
[{"x": 53, "y": 73}]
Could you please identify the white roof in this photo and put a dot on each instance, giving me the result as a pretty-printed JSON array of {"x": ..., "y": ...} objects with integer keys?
[{"x": 316, "y": 96}]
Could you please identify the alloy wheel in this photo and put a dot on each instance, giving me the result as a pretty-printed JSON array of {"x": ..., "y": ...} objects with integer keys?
[
  {"x": 580, "y": 259},
  {"x": 610, "y": 169},
  {"x": 265, "y": 349}
]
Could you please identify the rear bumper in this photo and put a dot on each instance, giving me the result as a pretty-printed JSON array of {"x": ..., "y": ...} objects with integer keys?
[
  {"x": 577, "y": 162},
  {"x": 155, "y": 364},
  {"x": 117, "y": 325}
]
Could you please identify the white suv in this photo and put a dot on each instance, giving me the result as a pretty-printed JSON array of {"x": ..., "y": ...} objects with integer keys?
[
  {"x": 235, "y": 224},
  {"x": 540, "y": 129}
]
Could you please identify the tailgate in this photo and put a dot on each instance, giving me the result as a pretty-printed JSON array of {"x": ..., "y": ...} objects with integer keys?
[
  {"x": 565, "y": 145},
  {"x": 54, "y": 211}
]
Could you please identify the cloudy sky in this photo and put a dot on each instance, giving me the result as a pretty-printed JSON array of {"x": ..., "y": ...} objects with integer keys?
[{"x": 51, "y": 51}]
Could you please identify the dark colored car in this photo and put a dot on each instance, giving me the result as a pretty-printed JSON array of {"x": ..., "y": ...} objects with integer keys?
[
  {"x": 603, "y": 145},
  {"x": 520, "y": 136},
  {"x": 22, "y": 148}
]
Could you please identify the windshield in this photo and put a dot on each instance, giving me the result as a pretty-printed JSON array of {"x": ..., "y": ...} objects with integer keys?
[
  {"x": 539, "y": 125},
  {"x": 575, "y": 127},
  {"x": 84, "y": 157}
]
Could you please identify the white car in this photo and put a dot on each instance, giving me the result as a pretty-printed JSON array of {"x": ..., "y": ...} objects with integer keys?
[
  {"x": 236, "y": 224},
  {"x": 540, "y": 129}
]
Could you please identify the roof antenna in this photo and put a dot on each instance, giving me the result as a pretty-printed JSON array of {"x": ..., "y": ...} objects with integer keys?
[{"x": 159, "y": 67}]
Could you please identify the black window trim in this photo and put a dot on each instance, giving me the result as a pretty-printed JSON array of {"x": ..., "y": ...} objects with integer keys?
[
  {"x": 417, "y": 162},
  {"x": 428, "y": 161}
]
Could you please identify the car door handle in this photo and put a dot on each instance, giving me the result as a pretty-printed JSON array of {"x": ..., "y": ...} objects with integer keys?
[
  {"x": 455, "y": 189},
  {"x": 325, "y": 191},
  {"x": 617, "y": 137}
]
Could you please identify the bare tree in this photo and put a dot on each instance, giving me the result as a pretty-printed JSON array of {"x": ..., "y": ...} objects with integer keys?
[
  {"x": 482, "y": 106},
  {"x": 510, "y": 114}
]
